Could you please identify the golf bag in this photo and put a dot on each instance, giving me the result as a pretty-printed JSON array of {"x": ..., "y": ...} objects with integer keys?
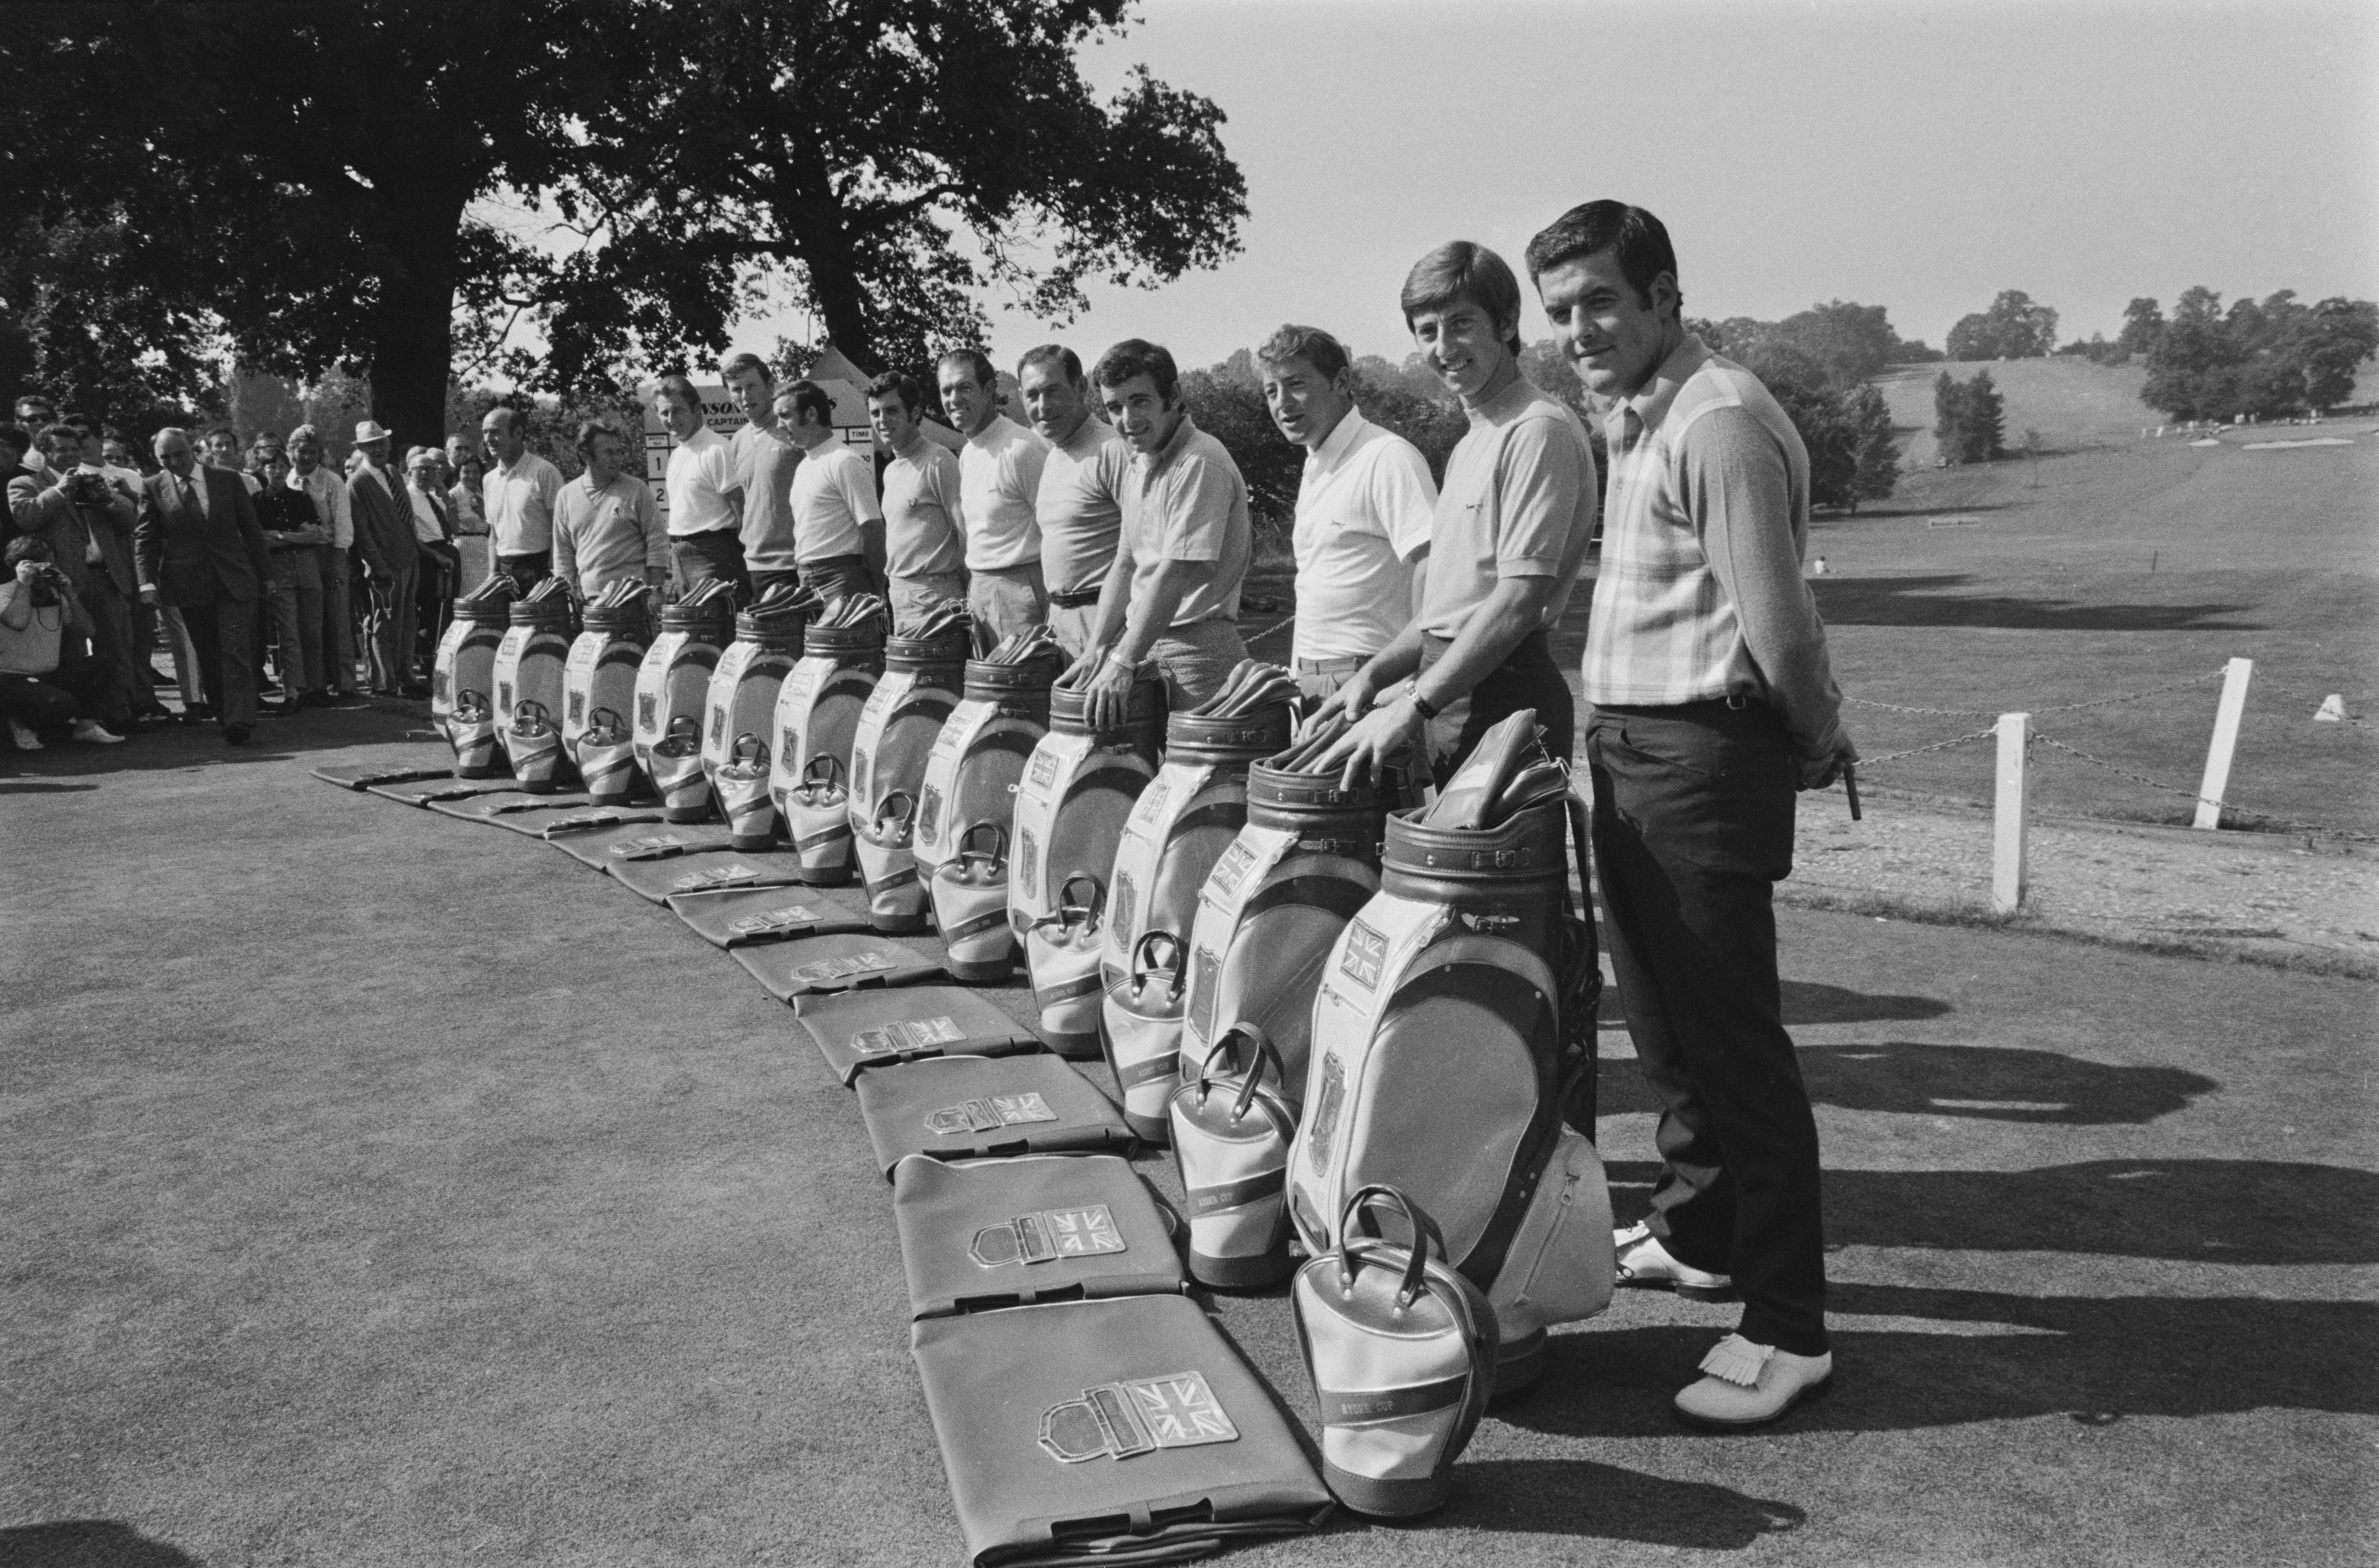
[
  {"x": 674, "y": 679},
  {"x": 904, "y": 714},
  {"x": 1232, "y": 1129},
  {"x": 600, "y": 674},
  {"x": 1454, "y": 1020},
  {"x": 1061, "y": 953},
  {"x": 676, "y": 769},
  {"x": 818, "y": 707},
  {"x": 818, "y": 816},
  {"x": 1402, "y": 1351},
  {"x": 532, "y": 661},
  {"x": 742, "y": 786},
  {"x": 750, "y": 675},
  {"x": 471, "y": 729},
  {"x": 971, "y": 907},
  {"x": 606, "y": 750},
  {"x": 466, "y": 660},
  {"x": 1079, "y": 786},
  {"x": 897, "y": 899},
  {"x": 977, "y": 761},
  {"x": 536, "y": 748},
  {"x": 1272, "y": 908}
]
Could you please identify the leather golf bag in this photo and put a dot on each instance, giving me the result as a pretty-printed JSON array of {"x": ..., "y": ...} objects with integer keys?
[
  {"x": 750, "y": 676},
  {"x": 600, "y": 673},
  {"x": 897, "y": 899},
  {"x": 1140, "y": 1025},
  {"x": 971, "y": 907},
  {"x": 1078, "y": 788},
  {"x": 534, "y": 746},
  {"x": 1272, "y": 909},
  {"x": 818, "y": 707},
  {"x": 1454, "y": 1020},
  {"x": 676, "y": 769},
  {"x": 673, "y": 683},
  {"x": 904, "y": 714},
  {"x": 1232, "y": 1129},
  {"x": 466, "y": 660},
  {"x": 1402, "y": 1351},
  {"x": 744, "y": 798},
  {"x": 977, "y": 761},
  {"x": 1061, "y": 953},
  {"x": 606, "y": 750},
  {"x": 531, "y": 661},
  {"x": 817, "y": 819},
  {"x": 471, "y": 729}
]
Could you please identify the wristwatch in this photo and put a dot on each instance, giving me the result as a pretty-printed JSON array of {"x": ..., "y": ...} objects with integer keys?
[{"x": 1421, "y": 705}]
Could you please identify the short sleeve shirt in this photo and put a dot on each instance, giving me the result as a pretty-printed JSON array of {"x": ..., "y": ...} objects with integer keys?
[
  {"x": 1078, "y": 507},
  {"x": 520, "y": 505},
  {"x": 1518, "y": 501},
  {"x": 600, "y": 537},
  {"x": 1187, "y": 502},
  {"x": 766, "y": 462},
  {"x": 1365, "y": 504},
  {"x": 999, "y": 479},
  {"x": 701, "y": 471},
  {"x": 834, "y": 492},
  {"x": 922, "y": 535}
]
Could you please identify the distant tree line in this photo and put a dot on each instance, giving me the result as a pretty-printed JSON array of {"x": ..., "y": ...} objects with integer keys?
[
  {"x": 1817, "y": 364},
  {"x": 2015, "y": 327},
  {"x": 2275, "y": 358},
  {"x": 1969, "y": 418}
]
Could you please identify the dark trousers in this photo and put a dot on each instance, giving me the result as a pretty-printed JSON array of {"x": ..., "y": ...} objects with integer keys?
[
  {"x": 441, "y": 573},
  {"x": 525, "y": 570},
  {"x": 292, "y": 588},
  {"x": 1693, "y": 825},
  {"x": 111, "y": 619},
  {"x": 223, "y": 632},
  {"x": 1527, "y": 678},
  {"x": 715, "y": 556},
  {"x": 390, "y": 628},
  {"x": 55, "y": 700}
]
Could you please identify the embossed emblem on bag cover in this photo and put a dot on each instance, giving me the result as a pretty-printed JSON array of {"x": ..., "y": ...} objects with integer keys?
[
  {"x": 1045, "y": 1235},
  {"x": 734, "y": 876},
  {"x": 793, "y": 917},
  {"x": 1367, "y": 954},
  {"x": 1123, "y": 1420},
  {"x": 989, "y": 1114},
  {"x": 908, "y": 1034}
]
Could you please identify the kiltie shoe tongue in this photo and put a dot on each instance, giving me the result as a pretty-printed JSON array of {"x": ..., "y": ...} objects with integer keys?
[{"x": 1735, "y": 1359}]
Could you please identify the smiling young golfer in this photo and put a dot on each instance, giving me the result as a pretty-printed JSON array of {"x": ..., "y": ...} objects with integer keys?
[
  {"x": 1713, "y": 701},
  {"x": 1513, "y": 518}
]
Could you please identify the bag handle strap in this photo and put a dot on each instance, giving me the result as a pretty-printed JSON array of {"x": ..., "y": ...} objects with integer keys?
[
  {"x": 1089, "y": 907},
  {"x": 1245, "y": 1049},
  {"x": 1170, "y": 964},
  {"x": 606, "y": 718},
  {"x": 996, "y": 855},
  {"x": 749, "y": 747},
  {"x": 833, "y": 766},
  {"x": 1426, "y": 1237},
  {"x": 885, "y": 812},
  {"x": 684, "y": 724},
  {"x": 1581, "y": 979}
]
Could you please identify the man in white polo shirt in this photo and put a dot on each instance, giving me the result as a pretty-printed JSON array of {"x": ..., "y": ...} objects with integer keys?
[
  {"x": 706, "y": 501},
  {"x": 1079, "y": 505},
  {"x": 999, "y": 477},
  {"x": 1173, "y": 593},
  {"x": 605, "y": 524},
  {"x": 836, "y": 520},
  {"x": 1364, "y": 505},
  {"x": 924, "y": 545},
  {"x": 518, "y": 492},
  {"x": 766, "y": 456}
]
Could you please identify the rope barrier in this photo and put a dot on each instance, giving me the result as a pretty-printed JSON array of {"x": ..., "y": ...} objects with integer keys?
[
  {"x": 1286, "y": 621},
  {"x": 2061, "y": 707},
  {"x": 2231, "y": 806}
]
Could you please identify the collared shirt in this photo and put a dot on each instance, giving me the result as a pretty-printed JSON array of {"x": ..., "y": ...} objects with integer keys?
[
  {"x": 834, "y": 492},
  {"x": 923, "y": 535},
  {"x": 1078, "y": 506},
  {"x": 1365, "y": 504},
  {"x": 765, "y": 464},
  {"x": 1700, "y": 593},
  {"x": 463, "y": 507},
  {"x": 427, "y": 526},
  {"x": 520, "y": 505},
  {"x": 701, "y": 473},
  {"x": 330, "y": 498},
  {"x": 1518, "y": 501},
  {"x": 999, "y": 477},
  {"x": 1187, "y": 502},
  {"x": 601, "y": 535}
]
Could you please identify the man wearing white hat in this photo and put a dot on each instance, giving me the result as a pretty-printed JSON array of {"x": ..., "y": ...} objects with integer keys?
[{"x": 384, "y": 538}]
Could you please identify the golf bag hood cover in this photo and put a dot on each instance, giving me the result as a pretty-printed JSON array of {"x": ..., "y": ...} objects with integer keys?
[
  {"x": 975, "y": 1107},
  {"x": 847, "y": 961},
  {"x": 856, "y": 1031},
  {"x": 742, "y": 917},
  {"x": 424, "y": 792},
  {"x": 363, "y": 775},
  {"x": 655, "y": 872},
  {"x": 986, "y": 1233},
  {"x": 1232, "y": 1129},
  {"x": 885, "y": 849},
  {"x": 1402, "y": 1352},
  {"x": 603, "y": 847},
  {"x": 970, "y": 906},
  {"x": 1107, "y": 1431},
  {"x": 1061, "y": 951}
]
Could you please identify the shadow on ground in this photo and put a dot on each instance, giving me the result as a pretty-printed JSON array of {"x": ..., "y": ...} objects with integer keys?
[
  {"x": 1934, "y": 601},
  {"x": 1808, "y": 1001},
  {"x": 87, "y": 1543},
  {"x": 1581, "y": 1498}
]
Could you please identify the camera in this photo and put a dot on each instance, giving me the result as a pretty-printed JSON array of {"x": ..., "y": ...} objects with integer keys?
[
  {"x": 49, "y": 585},
  {"x": 87, "y": 489}
]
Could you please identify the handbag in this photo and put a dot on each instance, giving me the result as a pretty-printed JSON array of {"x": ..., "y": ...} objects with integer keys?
[
  {"x": 534, "y": 746},
  {"x": 676, "y": 768},
  {"x": 1061, "y": 953},
  {"x": 888, "y": 865},
  {"x": 970, "y": 906},
  {"x": 607, "y": 757},
  {"x": 1232, "y": 1129},
  {"x": 817, "y": 815},
  {"x": 742, "y": 783}
]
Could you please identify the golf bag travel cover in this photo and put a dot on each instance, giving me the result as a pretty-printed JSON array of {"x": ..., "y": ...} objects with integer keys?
[
  {"x": 888, "y": 865},
  {"x": 742, "y": 786},
  {"x": 1231, "y": 1133},
  {"x": 1076, "y": 790},
  {"x": 1139, "y": 1024},
  {"x": 975, "y": 1107},
  {"x": 1454, "y": 1017},
  {"x": 986, "y": 1233},
  {"x": 660, "y": 874},
  {"x": 600, "y": 673},
  {"x": 466, "y": 660},
  {"x": 904, "y": 712},
  {"x": 1118, "y": 1431},
  {"x": 818, "y": 707},
  {"x": 1272, "y": 907},
  {"x": 675, "y": 765},
  {"x": 971, "y": 907},
  {"x": 977, "y": 761},
  {"x": 600, "y": 849},
  {"x": 606, "y": 750},
  {"x": 737, "y": 917},
  {"x": 1061, "y": 953},
  {"x": 857, "y": 1030},
  {"x": 534, "y": 746},
  {"x": 1402, "y": 1352},
  {"x": 817, "y": 819},
  {"x": 532, "y": 661},
  {"x": 673, "y": 683},
  {"x": 810, "y": 965},
  {"x": 471, "y": 727},
  {"x": 750, "y": 675},
  {"x": 363, "y": 775}
]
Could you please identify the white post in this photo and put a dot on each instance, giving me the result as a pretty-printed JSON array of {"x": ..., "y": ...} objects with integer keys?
[
  {"x": 2007, "y": 866},
  {"x": 2225, "y": 741}
]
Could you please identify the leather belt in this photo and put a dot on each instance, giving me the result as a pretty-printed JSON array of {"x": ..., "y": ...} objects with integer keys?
[{"x": 1080, "y": 600}]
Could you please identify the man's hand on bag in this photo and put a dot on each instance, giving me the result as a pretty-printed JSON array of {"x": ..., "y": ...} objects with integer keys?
[
  {"x": 1351, "y": 701},
  {"x": 1108, "y": 695},
  {"x": 1379, "y": 739}
]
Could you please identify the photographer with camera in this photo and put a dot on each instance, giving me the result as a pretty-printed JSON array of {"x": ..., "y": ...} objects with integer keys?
[
  {"x": 88, "y": 522},
  {"x": 47, "y": 679}
]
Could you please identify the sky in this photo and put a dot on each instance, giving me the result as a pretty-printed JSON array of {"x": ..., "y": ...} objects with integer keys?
[{"x": 1921, "y": 156}]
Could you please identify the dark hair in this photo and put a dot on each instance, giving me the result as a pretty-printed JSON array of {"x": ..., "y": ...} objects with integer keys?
[
  {"x": 591, "y": 428},
  {"x": 29, "y": 546},
  {"x": 1313, "y": 345},
  {"x": 977, "y": 362},
  {"x": 1462, "y": 269},
  {"x": 1068, "y": 363},
  {"x": 678, "y": 388},
  {"x": 1138, "y": 356},
  {"x": 18, "y": 436},
  {"x": 114, "y": 433},
  {"x": 730, "y": 367},
  {"x": 1640, "y": 240},
  {"x": 38, "y": 399},
  {"x": 808, "y": 397},
  {"x": 902, "y": 385},
  {"x": 223, "y": 430},
  {"x": 62, "y": 433}
]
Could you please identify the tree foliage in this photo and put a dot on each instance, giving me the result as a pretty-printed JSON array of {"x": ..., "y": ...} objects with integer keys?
[
  {"x": 2267, "y": 359},
  {"x": 1969, "y": 418},
  {"x": 2014, "y": 328},
  {"x": 1817, "y": 363}
]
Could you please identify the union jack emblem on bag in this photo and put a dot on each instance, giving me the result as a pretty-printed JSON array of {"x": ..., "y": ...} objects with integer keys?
[{"x": 1123, "y": 1420}]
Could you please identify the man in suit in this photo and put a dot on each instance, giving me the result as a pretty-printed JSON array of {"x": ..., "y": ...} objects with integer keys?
[
  {"x": 89, "y": 523},
  {"x": 201, "y": 550},
  {"x": 433, "y": 530},
  {"x": 391, "y": 553}
]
